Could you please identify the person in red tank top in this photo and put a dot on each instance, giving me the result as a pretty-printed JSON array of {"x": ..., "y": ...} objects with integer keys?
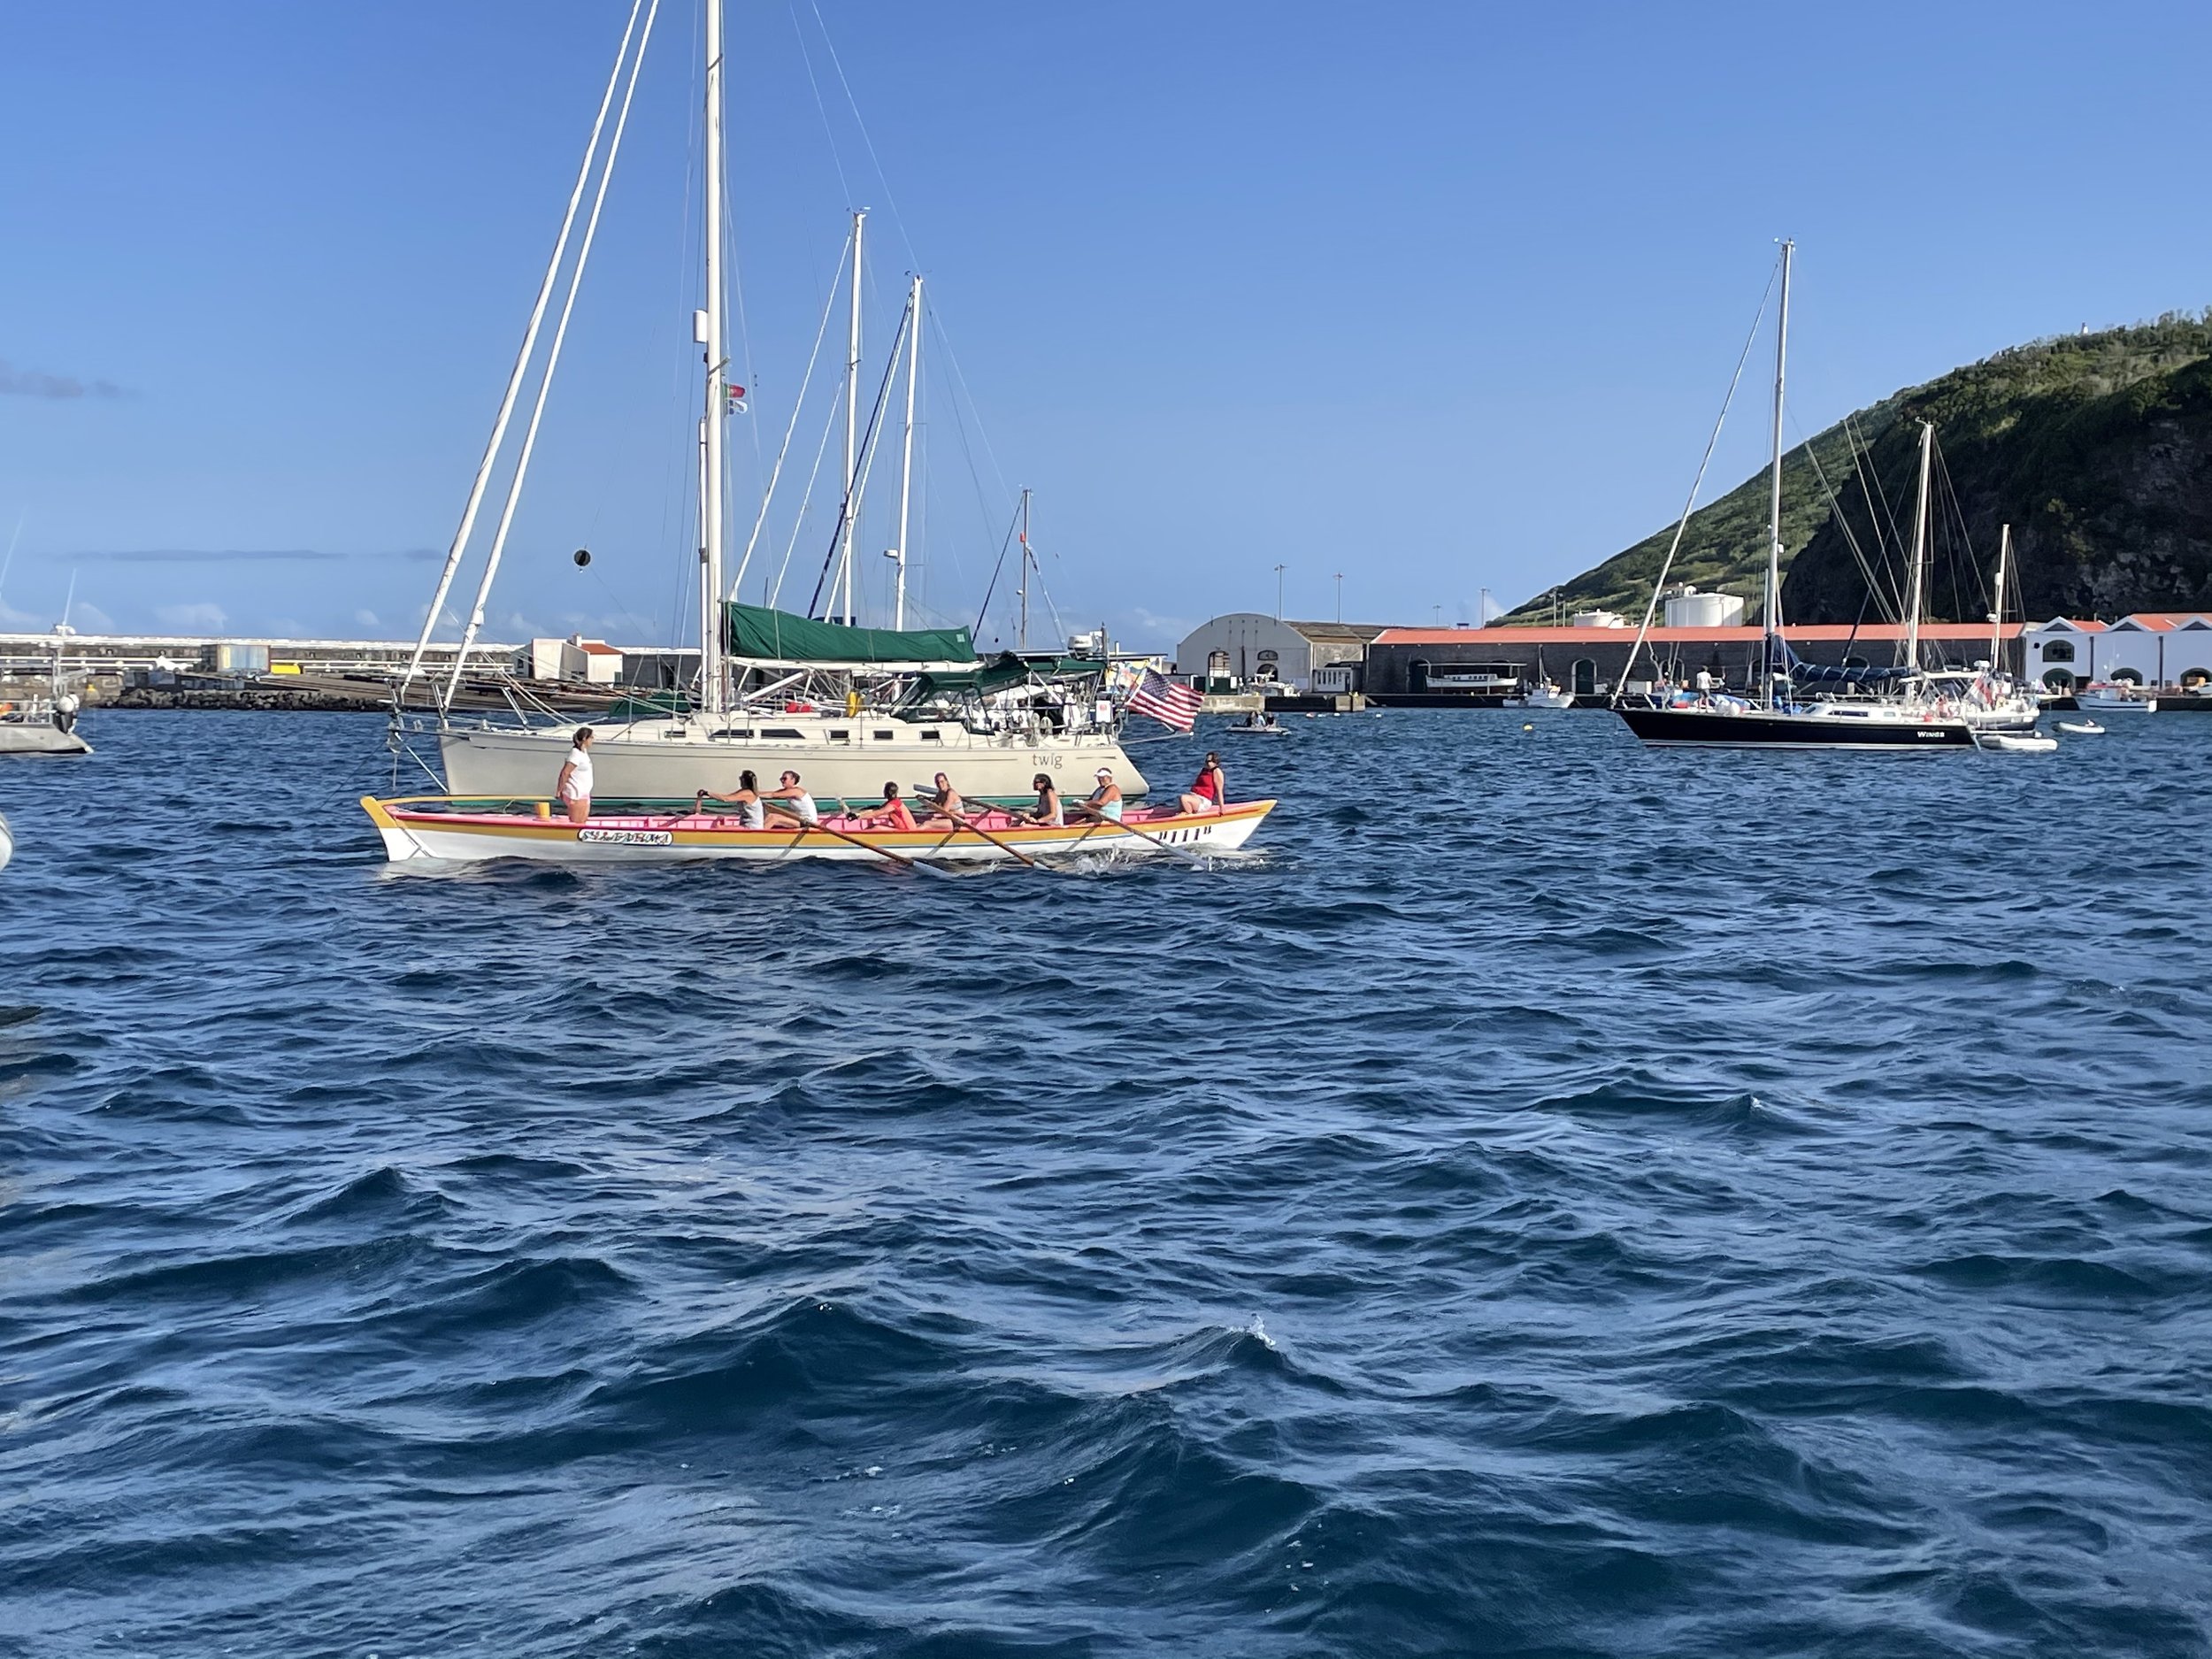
[
  {"x": 1210, "y": 792},
  {"x": 892, "y": 814}
]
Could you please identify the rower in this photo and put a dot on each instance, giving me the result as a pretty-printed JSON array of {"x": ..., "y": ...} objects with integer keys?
[
  {"x": 1048, "y": 810},
  {"x": 893, "y": 814},
  {"x": 751, "y": 813},
  {"x": 946, "y": 804},
  {"x": 1105, "y": 801},
  {"x": 791, "y": 803}
]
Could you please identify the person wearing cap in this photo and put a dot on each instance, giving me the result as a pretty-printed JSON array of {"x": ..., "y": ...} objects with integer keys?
[{"x": 1105, "y": 801}]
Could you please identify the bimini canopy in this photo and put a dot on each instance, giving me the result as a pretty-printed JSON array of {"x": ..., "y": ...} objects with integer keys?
[
  {"x": 776, "y": 636},
  {"x": 1804, "y": 673},
  {"x": 1003, "y": 670}
]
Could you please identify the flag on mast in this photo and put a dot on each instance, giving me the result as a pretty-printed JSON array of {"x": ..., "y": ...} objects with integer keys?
[{"x": 1169, "y": 701}]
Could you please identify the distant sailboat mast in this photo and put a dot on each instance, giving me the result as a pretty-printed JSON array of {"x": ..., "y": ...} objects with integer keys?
[
  {"x": 1774, "y": 489},
  {"x": 1918, "y": 585}
]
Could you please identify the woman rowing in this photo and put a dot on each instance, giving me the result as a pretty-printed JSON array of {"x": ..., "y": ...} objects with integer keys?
[
  {"x": 751, "y": 813},
  {"x": 893, "y": 814},
  {"x": 1048, "y": 811}
]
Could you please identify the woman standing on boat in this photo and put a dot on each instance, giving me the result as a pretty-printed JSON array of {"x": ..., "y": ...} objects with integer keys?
[
  {"x": 573, "y": 788},
  {"x": 1210, "y": 790}
]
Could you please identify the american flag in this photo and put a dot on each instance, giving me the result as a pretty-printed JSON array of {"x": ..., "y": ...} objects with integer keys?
[{"x": 1166, "y": 701}]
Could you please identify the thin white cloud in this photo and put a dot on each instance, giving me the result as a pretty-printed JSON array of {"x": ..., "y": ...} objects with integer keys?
[
  {"x": 15, "y": 382},
  {"x": 193, "y": 618}
]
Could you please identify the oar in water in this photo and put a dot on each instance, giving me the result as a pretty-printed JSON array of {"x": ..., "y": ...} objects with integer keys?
[
  {"x": 1006, "y": 846},
  {"x": 1099, "y": 816},
  {"x": 896, "y": 859}
]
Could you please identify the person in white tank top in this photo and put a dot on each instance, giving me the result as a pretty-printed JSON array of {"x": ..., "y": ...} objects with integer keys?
[
  {"x": 746, "y": 797},
  {"x": 573, "y": 788},
  {"x": 790, "y": 802}
]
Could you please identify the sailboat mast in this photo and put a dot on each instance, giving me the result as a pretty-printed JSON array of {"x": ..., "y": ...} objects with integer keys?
[
  {"x": 710, "y": 672},
  {"x": 1773, "y": 606},
  {"x": 906, "y": 458},
  {"x": 852, "y": 423},
  {"x": 1021, "y": 635},
  {"x": 1919, "y": 550},
  {"x": 1997, "y": 600}
]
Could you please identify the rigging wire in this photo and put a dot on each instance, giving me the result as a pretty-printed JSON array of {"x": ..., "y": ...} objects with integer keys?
[
  {"x": 522, "y": 359},
  {"x": 768, "y": 495},
  {"x": 863, "y": 465},
  {"x": 1711, "y": 442},
  {"x": 552, "y": 362}
]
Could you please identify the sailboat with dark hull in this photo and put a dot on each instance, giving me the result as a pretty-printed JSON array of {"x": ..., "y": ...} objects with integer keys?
[{"x": 1776, "y": 716}]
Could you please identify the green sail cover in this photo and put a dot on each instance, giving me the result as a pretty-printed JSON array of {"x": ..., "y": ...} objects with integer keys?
[{"x": 778, "y": 636}]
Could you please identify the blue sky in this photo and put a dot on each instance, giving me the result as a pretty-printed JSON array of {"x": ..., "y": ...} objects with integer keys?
[{"x": 1442, "y": 297}]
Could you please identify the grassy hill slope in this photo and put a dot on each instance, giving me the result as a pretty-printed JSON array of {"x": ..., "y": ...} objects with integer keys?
[{"x": 2097, "y": 449}]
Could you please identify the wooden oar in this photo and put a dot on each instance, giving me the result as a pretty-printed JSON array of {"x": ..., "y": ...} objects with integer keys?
[
  {"x": 896, "y": 859},
  {"x": 1099, "y": 816},
  {"x": 969, "y": 824}
]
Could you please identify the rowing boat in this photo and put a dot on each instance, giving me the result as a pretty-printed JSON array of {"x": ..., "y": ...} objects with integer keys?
[{"x": 473, "y": 828}]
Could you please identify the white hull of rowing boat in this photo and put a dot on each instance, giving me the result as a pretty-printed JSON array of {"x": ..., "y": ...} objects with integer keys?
[
  {"x": 430, "y": 828},
  {"x": 661, "y": 760}
]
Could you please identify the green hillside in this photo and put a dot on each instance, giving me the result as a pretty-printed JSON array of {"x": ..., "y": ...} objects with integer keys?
[{"x": 2096, "y": 448}]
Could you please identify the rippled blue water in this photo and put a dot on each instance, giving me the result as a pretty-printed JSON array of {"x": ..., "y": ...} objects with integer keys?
[{"x": 1563, "y": 1200}]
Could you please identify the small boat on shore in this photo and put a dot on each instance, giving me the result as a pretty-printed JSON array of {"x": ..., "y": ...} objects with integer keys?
[{"x": 470, "y": 829}]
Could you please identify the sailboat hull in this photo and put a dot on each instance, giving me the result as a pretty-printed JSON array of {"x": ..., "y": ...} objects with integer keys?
[
  {"x": 658, "y": 760},
  {"x": 1714, "y": 728}
]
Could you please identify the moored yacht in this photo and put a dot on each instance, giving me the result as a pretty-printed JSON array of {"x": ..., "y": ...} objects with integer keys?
[{"x": 847, "y": 707}]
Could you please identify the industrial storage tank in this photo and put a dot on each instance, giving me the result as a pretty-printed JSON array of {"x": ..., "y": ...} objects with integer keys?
[{"x": 1686, "y": 608}]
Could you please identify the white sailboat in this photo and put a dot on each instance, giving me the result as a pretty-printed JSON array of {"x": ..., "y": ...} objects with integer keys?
[{"x": 846, "y": 707}]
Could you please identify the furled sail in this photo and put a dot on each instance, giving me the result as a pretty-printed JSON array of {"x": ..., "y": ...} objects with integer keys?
[{"x": 764, "y": 635}]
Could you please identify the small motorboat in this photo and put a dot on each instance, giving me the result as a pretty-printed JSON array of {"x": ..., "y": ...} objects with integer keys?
[
  {"x": 1258, "y": 725},
  {"x": 41, "y": 726},
  {"x": 2118, "y": 697},
  {"x": 2016, "y": 743},
  {"x": 470, "y": 829},
  {"x": 1544, "y": 696},
  {"x": 2081, "y": 728}
]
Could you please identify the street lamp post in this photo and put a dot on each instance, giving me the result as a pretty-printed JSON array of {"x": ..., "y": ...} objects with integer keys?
[
  {"x": 1279, "y": 569},
  {"x": 1339, "y": 596}
]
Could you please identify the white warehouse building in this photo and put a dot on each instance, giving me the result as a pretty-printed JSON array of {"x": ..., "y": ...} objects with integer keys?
[
  {"x": 2151, "y": 648},
  {"x": 1247, "y": 648}
]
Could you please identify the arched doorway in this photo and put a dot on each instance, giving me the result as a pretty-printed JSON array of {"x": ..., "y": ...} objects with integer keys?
[
  {"x": 2058, "y": 679},
  {"x": 1585, "y": 674}
]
